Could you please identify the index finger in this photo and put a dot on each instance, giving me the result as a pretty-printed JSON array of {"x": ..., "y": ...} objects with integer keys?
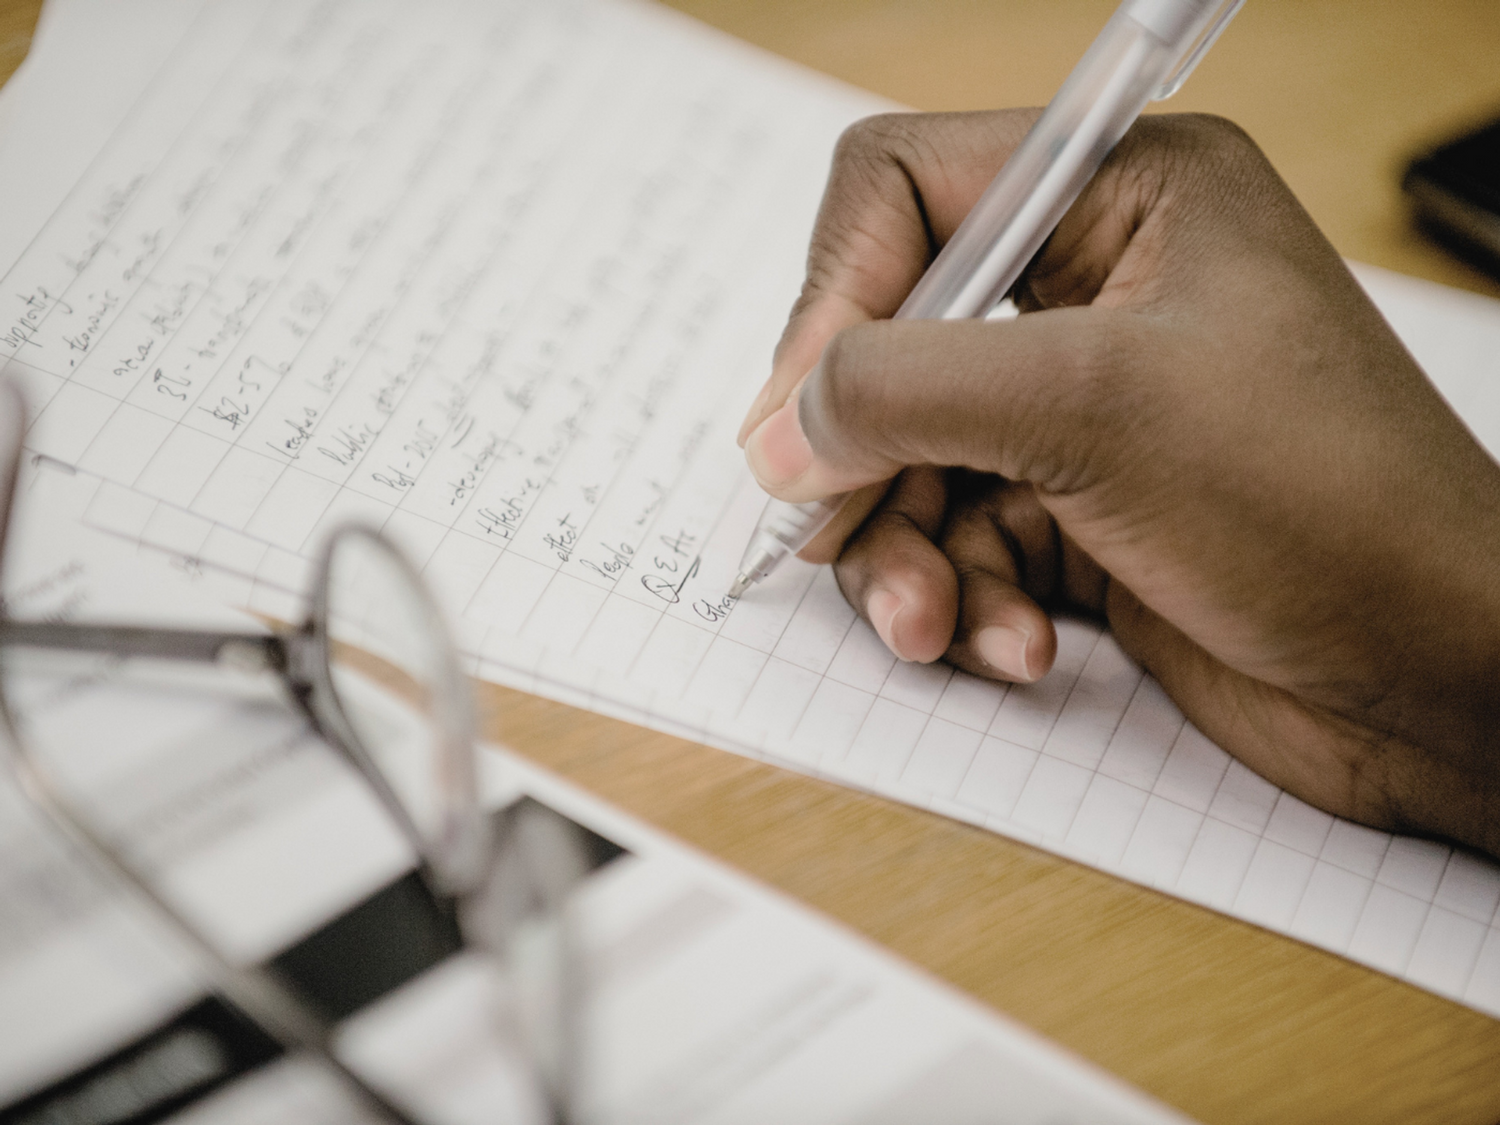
[{"x": 899, "y": 186}]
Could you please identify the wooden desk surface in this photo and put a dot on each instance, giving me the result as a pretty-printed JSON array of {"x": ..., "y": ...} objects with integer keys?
[{"x": 1224, "y": 1020}]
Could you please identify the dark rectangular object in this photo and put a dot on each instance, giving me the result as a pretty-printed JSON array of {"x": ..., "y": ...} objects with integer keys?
[
  {"x": 189, "y": 1057},
  {"x": 1455, "y": 191},
  {"x": 371, "y": 949},
  {"x": 368, "y": 951}
]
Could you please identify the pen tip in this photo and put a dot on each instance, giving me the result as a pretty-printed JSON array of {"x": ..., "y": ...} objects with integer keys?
[{"x": 741, "y": 584}]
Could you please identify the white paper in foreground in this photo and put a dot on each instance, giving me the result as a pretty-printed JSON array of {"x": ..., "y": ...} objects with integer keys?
[
  {"x": 708, "y": 999},
  {"x": 502, "y": 278}
]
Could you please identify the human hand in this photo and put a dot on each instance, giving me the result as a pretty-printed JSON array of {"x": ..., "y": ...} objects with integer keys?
[{"x": 1200, "y": 427}]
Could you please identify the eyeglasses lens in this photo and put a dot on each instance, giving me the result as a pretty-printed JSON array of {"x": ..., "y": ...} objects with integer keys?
[{"x": 395, "y": 679}]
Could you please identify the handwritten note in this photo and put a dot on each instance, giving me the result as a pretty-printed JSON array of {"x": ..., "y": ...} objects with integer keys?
[
  {"x": 501, "y": 280},
  {"x": 484, "y": 288}
]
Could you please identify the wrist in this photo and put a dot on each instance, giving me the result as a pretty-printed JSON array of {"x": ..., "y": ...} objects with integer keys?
[{"x": 1453, "y": 705}]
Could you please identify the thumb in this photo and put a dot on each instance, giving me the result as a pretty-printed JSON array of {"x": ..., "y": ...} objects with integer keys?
[{"x": 1038, "y": 398}]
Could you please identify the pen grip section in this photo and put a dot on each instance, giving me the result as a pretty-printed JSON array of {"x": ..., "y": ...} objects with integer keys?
[{"x": 784, "y": 529}]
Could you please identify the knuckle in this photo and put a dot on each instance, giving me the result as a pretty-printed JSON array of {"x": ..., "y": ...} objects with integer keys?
[
  {"x": 1215, "y": 162},
  {"x": 867, "y": 185},
  {"x": 1216, "y": 133},
  {"x": 1224, "y": 150},
  {"x": 1198, "y": 156},
  {"x": 881, "y": 157},
  {"x": 895, "y": 539},
  {"x": 1197, "y": 135},
  {"x": 857, "y": 141},
  {"x": 874, "y": 140}
]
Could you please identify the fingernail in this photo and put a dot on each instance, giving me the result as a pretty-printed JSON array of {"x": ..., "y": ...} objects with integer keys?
[
  {"x": 1004, "y": 649},
  {"x": 883, "y": 607},
  {"x": 777, "y": 450},
  {"x": 752, "y": 416}
]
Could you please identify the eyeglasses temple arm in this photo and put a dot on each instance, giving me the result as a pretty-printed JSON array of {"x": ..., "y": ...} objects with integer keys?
[
  {"x": 248, "y": 651},
  {"x": 263, "y": 999}
]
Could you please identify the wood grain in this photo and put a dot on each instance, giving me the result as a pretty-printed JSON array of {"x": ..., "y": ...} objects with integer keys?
[{"x": 1224, "y": 1020}]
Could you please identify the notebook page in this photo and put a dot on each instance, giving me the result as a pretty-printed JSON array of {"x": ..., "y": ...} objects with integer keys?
[{"x": 501, "y": 281}]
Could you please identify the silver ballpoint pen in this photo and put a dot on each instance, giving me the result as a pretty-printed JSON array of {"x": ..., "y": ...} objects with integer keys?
[{"x": 1144, "y": 54}]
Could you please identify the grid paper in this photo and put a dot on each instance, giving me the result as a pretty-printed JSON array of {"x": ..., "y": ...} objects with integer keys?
[{"x": 504, "y": 288}]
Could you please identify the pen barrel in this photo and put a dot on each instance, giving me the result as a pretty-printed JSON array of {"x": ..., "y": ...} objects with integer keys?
[{"x": 1121, "y": 72}]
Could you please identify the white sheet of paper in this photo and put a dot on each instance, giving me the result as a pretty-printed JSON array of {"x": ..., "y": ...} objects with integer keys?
[
  {"x": 710, "y": 999},
  {"x": 501, "y": 279}
]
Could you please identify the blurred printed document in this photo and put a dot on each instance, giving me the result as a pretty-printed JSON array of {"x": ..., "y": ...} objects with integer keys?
[
  {"x": 501, "y": 278},
  {"x": 707, "y": 999}
]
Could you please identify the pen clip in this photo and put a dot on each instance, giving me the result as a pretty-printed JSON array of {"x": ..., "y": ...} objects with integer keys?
[{"x": 1195, "y": 56}]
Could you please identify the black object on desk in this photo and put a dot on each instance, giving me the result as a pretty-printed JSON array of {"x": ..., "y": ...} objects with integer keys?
[
  {"x": 1455, "y": 190},
  {"x": 368, "y": 951}
]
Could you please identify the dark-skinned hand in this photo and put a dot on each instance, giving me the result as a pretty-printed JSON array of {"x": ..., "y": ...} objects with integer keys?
[{"x": 1199, "y": 428}]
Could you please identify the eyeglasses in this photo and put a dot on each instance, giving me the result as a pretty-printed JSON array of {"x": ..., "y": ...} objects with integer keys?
[{"x": 375, "y": 672}]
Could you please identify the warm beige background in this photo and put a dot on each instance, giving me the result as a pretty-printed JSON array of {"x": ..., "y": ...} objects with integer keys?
[
  {"x": 1339, "y": 92},
  {"x": 1228, "y": 1022}
]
